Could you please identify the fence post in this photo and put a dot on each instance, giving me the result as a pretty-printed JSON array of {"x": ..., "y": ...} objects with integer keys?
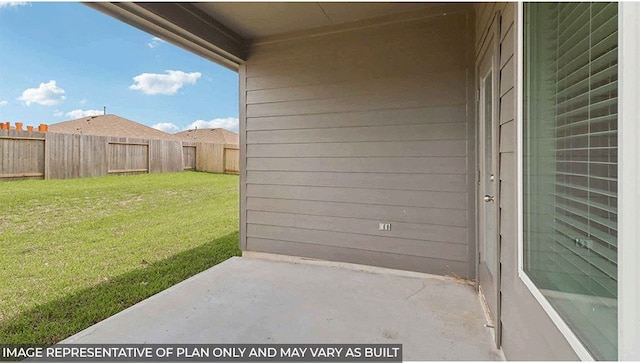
[
  {"x": 224, "y": 159},
  {"x": 45, "y": 162}
]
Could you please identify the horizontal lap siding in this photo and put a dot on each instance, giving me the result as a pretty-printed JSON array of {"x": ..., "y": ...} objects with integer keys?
[
  {"x": 420, "y": 115},
  {"x": 405, "y": 214},
  {"x": 527, "y": 331},
  {"x": 435, "y": 84},
  {"x": 410, "y": 148},
  {"x": 429, "y": 165},
  {"x": 409, "y": 198},
  {"x": 443, "y": 131},
  {"x": 347, "y": 130},
  {"x": 386, "y": 181}
]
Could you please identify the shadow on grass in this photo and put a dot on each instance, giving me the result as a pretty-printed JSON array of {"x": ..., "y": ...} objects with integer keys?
[{"x": 56, "y": 320}]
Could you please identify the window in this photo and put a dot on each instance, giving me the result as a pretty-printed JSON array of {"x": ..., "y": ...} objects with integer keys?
[{"x": 570, "y": 165}]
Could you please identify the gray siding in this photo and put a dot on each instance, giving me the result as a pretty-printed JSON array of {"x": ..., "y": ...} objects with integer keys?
[
  {"x": 345, "y": 130},
  {"x": 527, "y": 331}
]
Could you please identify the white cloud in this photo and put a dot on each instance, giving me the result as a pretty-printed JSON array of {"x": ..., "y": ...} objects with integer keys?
[
  {"x": 58, "y": 113},
  {"x": 155, "y": 42},
  {"x": 83, "y": 101},
  {"x": 3, "y": 103},
  {"x": 229, "y": 123},
  {"x": 83, "y": 113},
  {"x": 163, "y": 84},
  {"x": 10, "y": 4},
  {"x": 166, "y": 127},
  {"x": 47, "y": 94}
]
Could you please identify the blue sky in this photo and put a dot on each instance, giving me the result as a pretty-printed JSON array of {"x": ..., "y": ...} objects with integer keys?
[{"x": 61, "y": 61}]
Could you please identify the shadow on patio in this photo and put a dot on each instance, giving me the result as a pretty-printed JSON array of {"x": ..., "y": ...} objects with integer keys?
[{"x": 252, "y": 300}]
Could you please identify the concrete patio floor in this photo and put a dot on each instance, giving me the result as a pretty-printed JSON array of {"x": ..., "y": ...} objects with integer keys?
[{"x": 256, "y": 300}]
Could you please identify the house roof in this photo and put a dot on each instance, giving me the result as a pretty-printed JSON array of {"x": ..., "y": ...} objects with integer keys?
[
  {"x": 216, "y": 136},
  {"x": 109, "y": 125}
]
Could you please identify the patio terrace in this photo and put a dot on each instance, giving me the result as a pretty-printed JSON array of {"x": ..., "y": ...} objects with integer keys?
[{"x": 297, "y": 301}]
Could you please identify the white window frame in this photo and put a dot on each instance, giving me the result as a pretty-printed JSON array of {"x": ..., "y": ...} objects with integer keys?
[{"x": 628, "y": 182}]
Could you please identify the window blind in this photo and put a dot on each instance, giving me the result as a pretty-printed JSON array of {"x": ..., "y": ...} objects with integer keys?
[
  {"x": 586, "y": 104},
  {"x": 570, "y": 163}
]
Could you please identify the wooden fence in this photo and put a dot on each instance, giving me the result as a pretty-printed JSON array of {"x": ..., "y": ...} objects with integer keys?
[
  {"x": 26, "y": 155},
  {"x": 189, "y": 155},
  {"x": 217, "y": 158},
  {"x": 231, "y": 159}
]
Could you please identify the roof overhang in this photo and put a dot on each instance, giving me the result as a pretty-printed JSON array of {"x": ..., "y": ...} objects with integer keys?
[
  {"x": 183, "y": 25},
  {"x": 225, "y": 32}
]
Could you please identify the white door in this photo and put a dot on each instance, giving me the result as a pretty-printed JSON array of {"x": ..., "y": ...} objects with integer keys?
[{"x": 488, "y": 183}]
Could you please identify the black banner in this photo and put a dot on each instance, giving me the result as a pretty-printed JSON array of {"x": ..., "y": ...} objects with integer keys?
[{"x": 204, "y": 353}]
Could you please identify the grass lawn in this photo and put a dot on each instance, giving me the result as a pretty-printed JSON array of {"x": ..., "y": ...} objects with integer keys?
[{"x": 74, "y": 252}]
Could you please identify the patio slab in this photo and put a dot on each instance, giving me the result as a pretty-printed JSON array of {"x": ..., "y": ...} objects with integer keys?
[{"x": 252, "y": 300}]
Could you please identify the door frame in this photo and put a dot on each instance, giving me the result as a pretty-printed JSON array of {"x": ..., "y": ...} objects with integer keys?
[{"x": 490, "y": 47}]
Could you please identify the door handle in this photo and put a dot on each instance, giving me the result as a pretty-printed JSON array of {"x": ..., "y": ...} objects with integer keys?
[{"x": 488, "y": 198}]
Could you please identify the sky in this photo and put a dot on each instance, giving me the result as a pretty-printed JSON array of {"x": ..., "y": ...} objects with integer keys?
[{"x": 62, "y": 61}]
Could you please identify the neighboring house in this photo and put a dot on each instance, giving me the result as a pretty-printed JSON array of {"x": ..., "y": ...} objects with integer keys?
[
  {"x": 109, "y": 125},
  {"x": 491, "y": 145},
  {"x": 215, "y": 136}
]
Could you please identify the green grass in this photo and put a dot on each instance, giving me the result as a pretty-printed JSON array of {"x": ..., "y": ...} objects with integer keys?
[{"x": 74, "y": 252}]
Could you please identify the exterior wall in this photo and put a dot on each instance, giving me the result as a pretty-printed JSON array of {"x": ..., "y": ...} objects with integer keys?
[
  {"x": 347, "y": 129},
  {"x": 527, "y": 331}
]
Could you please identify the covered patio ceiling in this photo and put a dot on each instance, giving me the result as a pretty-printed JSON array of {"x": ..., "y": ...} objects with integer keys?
[
  {"x": 224, "y": 31},
  {"x": 260, "y": 19}
]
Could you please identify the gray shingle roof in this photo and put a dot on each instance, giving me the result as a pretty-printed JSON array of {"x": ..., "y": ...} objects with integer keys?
[
  {"x": 217, "y": 136},
  {"x": 109, "y": 125}
]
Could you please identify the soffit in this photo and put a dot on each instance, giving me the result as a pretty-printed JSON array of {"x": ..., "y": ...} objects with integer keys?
[
  {"x": 224, "y": 31},
  {"x": 253, "y": 20}
]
